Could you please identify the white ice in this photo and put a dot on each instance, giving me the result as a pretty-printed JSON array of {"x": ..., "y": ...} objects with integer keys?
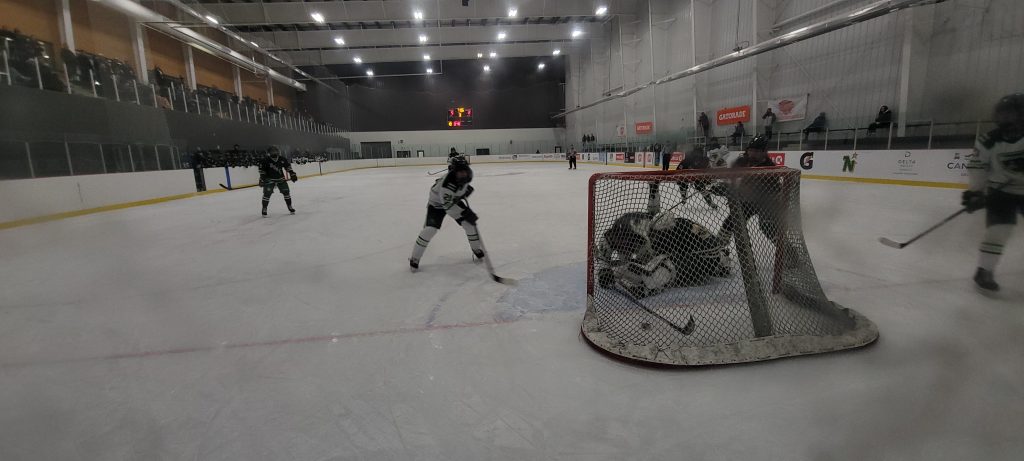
[{"x": 196, "y": 330}]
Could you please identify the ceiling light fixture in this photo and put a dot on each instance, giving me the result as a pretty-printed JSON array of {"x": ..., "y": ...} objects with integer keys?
[
  {"x": 577, "y": 33},
  {"x": 540, "y": 66},
  {"x": 512, "y": 12},
  {"x": 479, "y": 55},
  {"x": 369, "y": 73},
  {"x": 493, "y": 54},
  {"x": 426, "y": 57},
  {"x": 423, "y": 38},
  {"x": 556, "y": 52},
  {"x": 339, "y": 40},
  {"x": 487, "y": 68},
  {"x": 212, "y": 19},
  {"x": 430, "y": 71},
  {"x": 601, "y": 10},
  {"x": 501, "y": 35},
  {"x": 319, "y": 18},
  {"x": 417, "y": 14},
  {"x": 358, "y": 60},
  {"x": 257, "y": 45}
]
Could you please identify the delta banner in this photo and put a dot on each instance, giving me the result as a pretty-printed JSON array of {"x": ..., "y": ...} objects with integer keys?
[
  {"x": 644, "y": 127},
  {"x": 788, "y": 109},
  {"x": 733, "y": 115}
]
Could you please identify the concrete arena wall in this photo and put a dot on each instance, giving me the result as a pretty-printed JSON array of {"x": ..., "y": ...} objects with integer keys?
[{"x": 45, "y": 198}]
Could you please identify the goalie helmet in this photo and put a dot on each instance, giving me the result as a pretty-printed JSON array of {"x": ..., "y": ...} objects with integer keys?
[{"x": 760, "y": 142}]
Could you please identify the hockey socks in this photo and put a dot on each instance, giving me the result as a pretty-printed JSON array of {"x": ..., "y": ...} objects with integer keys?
[
  {"x": 992, "y": 247},
  {"x": 421, "y": 243}
]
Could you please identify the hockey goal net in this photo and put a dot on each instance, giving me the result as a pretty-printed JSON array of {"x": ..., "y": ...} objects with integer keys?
[{"x": 707, "y": 267}]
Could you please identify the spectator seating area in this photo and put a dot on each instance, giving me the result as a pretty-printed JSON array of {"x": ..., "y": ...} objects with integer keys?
[
  {"x": 244, "y": 158},
  {"x": 32, "y": 63}
]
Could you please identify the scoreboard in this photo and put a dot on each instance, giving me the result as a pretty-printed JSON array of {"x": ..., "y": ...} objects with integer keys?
[{"x": 460, "y": 117}]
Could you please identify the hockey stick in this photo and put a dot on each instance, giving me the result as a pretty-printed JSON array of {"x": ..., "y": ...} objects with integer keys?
[
  {"x": 685, "y": 330},
  {"x": 236, "y": 188},
  {"x": 899, "y": 245},
  {"x": 431, "y": 173},
  {"x": 489, "y": 266}
]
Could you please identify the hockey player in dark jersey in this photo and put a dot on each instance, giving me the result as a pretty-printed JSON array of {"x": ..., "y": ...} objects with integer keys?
[
  {"x": 447, "y": 197},
  {"x": 996, "y": 169},
  {"x": 756, "y": 196},
  {"x": 696, "y": 160},
  {"x": 275, "y": 171}
]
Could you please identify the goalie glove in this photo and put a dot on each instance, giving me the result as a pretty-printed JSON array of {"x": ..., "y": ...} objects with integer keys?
[{"x": 973, "y": 200}]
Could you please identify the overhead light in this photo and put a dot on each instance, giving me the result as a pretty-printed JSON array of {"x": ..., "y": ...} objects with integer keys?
[
  {"x": 358, "y": 60},
  {"x": 540, "y": 66},
  {"x": 369, "y": 73},
  {"x": 257, "y": 45},
  {"x": 319, "y": 18},
  {"x": 601, "y": 10},
  {"x": 423, "y": 38},
  {"x": 426, "y": 57},
  {"x": 212, "y": 19},
  {"x": 556, "y": 52},
  {"x": 512, "y": 12},
  {"x": 487, "y": 68},
  {"x": 501, "y": 35},
  {"x": 430, "y": 71},
  {"x": 417, "y": 14},
  {"x": 339, "y": 40},
  {"x": 493, "y": 54},
  {"x": 577, "y": 33},
  {"x": 479, "y": 55}
]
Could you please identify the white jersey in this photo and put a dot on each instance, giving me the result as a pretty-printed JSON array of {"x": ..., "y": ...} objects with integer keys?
[
  {"x": 995, "y": 162},
  {"x": 719, "y": 157},
  {"x": 447, "y": 196}
]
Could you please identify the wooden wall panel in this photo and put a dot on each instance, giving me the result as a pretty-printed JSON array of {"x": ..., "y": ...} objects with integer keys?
[
  {"x": 166, "y": 53},
  {"x": 37, "y": 18},
  {"x": 100, "y": 30},
  {"x": 213, "y": 71}
]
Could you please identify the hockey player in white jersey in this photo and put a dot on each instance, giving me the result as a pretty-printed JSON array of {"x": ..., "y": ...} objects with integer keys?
[
  {"x": 447, "y": 197},
  {"x": 717, "y": 155},
  {"x": 996, "y": 170}
]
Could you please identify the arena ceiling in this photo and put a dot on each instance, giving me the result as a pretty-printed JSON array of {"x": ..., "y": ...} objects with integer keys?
[{"x": 306, "y": 33}]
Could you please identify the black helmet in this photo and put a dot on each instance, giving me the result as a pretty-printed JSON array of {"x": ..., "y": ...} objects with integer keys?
[
  {"x": 273, "y": 151},
  {"x": 759, "y": 142},
  {"x": 1011, "y": 103},
  {"x": 459, "y": 172}
]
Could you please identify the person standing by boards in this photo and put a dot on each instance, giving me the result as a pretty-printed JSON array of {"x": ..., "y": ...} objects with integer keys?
[{"x": 572, "y": 157}]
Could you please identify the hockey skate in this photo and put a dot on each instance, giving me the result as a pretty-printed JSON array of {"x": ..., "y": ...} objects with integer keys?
[
  {"x": 478, "y": 255},
  {"x": 264, "y": 212},
  {"x": 985, "y": 282},
  {"x": 414, "y": 264},
  {"x": 291, "y": 210}
]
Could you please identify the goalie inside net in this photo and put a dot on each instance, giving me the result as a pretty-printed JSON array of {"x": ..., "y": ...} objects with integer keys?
[{"x": 671, "y": 273}]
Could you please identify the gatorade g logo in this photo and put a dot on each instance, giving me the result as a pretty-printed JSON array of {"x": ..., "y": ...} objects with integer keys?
[{"x": 807, "y": 160}]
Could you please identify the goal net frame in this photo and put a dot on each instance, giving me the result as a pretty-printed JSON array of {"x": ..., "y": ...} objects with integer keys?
[{"x": 775, "y": 302}]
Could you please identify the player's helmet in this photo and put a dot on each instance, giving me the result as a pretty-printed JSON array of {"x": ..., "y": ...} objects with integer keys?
[
  {"x": 459, "y": 172},
  {"x": 1009, "y": 114},
  {"x": 273, "y": 151},
  {"x": 760, "y": 142}
]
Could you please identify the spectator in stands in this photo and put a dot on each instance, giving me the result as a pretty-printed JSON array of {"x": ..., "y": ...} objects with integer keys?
[
  {"x": 705, "y": 125},
  {"x": 738, "y": 133},
  {"x": 816, "y": 126},
  {"x": 883, "y": 120},
  {"x": 198, "y": 163},
  {"x": 769, "y": 122}
]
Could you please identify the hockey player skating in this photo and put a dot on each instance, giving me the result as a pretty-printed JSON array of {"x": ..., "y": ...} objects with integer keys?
[
  {"x": 273, "y": 170},
  {"x": 997, "y": 184},
  {"x": 447, "y": 197},
  {"x": 717, "y": 155},
  {"x": 761, "y": 197},
  {"x": 696, "y": 160}
]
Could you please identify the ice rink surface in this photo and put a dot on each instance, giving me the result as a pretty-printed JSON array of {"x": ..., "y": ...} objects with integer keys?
[{"x": 196, "y": 330}]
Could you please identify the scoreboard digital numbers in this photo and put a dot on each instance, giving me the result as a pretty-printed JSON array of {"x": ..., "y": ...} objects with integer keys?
[{"x": 460, "y": 117}]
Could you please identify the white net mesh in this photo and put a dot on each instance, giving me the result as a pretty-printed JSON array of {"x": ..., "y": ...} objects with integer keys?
[{"x": 707, "y": 267}]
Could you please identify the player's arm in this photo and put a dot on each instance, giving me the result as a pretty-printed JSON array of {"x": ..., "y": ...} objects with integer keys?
[
  {"x": 978, "y": 166},
  {"x": 291, "y": 172}
]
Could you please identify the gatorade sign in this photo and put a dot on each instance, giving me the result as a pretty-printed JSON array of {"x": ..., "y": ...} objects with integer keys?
[
  {"x": 644, "y": 127},
  {"x": 733, "y": 115}
]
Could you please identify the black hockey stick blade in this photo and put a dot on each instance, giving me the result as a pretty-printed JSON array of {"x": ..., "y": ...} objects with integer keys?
[
  {"x": 237, "y": 188},
  {"x": 891, "y": 243},
  {"x": 504, "y": 280},
  {"x": 225, "y": 187},
  {"x": 685, "y": 330}
]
